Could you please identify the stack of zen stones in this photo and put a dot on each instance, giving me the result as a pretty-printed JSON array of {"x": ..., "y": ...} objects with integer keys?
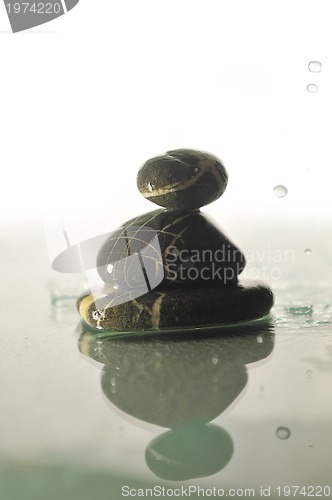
[{"x": 172, "y": 268}]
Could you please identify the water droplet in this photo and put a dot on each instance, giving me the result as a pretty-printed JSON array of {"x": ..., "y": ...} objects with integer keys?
[
  {"x": 110, "y": 268},
  {"x": 315, "y": 66},
  {"x": 309, "y": 374},
  {"x": 280, "y": 191},
  {"x": 259, "y": 340},
  {"x": 214, "y": 360},
  {"x": 149, "y": 187},
  {"x": 283, "y": 433},
  {"x": 113, "y": 381},
  {"x": 312, "y": 88},
  {"x": 307, "y": 251},
  {"x": 98, "y": 315},
  {"x": 115, "y": 287}
]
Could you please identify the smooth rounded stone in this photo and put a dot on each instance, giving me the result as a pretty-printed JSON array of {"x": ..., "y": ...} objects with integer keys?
[
  {"x": 175, "y": 249},
  {"x": 183, "y": 179},
  {"x": 176, "y": 308},
  {"x": 142, "y": 374}
]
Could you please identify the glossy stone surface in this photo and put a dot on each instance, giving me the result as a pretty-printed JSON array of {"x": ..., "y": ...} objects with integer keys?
[
  {"x": 173, "y": 268},
  {"x": 176, "y": 248},
  {"x": 182, "y": 179},
  {"x": 176, "y": 308}
]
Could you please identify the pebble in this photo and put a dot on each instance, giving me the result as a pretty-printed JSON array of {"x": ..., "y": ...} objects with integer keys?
[
  {"x": 183, "y": 179},
  {"x": 176, "y": 248},
  {"x": 173, "y": 268},
  {"x": 176, "y": 308}
]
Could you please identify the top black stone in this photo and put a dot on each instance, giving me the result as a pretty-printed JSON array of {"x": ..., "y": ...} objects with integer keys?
[{"x": 183, "y": 179}]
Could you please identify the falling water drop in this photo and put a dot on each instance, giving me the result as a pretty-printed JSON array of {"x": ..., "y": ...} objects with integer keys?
[
  {"x": 307, "y": 251},
  {"x": 312, "y": 88},
  {"x": 315, "y": 66},
  {"x": 280, "y": 191},
  {"x": 309, "y": 374},
  {"x": 283, "y": 432}
]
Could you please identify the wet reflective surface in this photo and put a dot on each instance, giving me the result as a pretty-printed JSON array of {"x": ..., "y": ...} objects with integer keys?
[
  {"x": 181, "y": 384},
  {"x": 84, "y": 414}
]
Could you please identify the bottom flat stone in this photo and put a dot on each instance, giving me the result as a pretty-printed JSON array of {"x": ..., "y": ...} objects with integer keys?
[{"x": 178, "y": 308}]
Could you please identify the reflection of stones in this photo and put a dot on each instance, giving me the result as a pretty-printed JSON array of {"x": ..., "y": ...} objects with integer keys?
[
  {"x": 181, "y": 384},
  {"x": 196, "y": 451},
  {"x": 173, "y": 268}
]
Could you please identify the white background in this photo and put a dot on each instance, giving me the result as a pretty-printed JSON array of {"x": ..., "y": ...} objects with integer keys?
[{"x": 88, "y": 97}]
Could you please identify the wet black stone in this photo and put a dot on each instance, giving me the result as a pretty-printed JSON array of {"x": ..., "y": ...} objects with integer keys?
[
  {"x": 176, "y": 248},
  {"x": 177, "y": 308},
  {"x": 173, "y": 268},
  {"x": 182, "y": 179}
]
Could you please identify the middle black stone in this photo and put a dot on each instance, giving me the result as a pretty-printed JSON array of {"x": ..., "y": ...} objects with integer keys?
[{"x": 190, "y": 252}]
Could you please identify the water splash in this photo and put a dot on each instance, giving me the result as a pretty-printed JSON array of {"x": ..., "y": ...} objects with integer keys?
[
  {"x": 298, "y": 316},
  {"x": 300, "y": 310},
  {"x": 64, "y": 292}
]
